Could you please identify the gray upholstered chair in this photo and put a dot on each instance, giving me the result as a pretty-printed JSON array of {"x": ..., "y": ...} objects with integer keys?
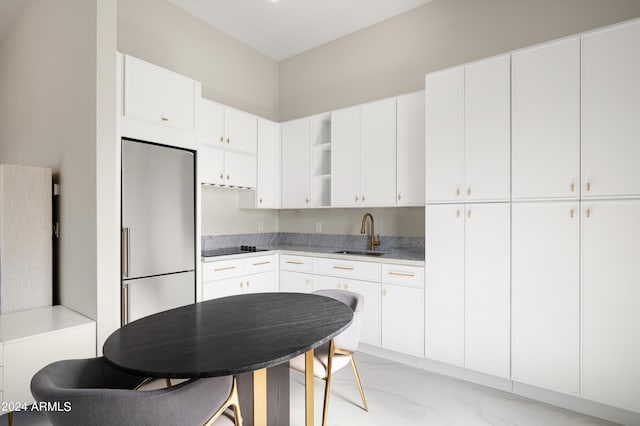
[
  {"x": 90, "y": 392},
  {"x": 338, "y": 353}
]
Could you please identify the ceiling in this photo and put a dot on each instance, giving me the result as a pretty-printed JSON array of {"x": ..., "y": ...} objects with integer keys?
[
  {"x": 9, "y": 10},
  {"x": 284, "y": 28}
]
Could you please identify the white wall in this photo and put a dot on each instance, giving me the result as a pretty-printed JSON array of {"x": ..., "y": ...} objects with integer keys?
[
  {"x": 221, "y": 215},
  {"x": 56, "y": 109}
]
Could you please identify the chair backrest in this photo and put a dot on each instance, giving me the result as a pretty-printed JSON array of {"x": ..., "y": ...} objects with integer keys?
[
  {"x": 350, "y": 337},
  {"x": 98, "y": 395}
]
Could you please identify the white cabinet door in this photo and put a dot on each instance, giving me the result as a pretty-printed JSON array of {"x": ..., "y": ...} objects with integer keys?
[
  {"x": 545, "y": 317},
  {"x": 268, "y": 181},
  {"x": 487, "y": 293},
  {"x": 345, "y": 156},
  {"x": 157, "y": 95},
  {"x": 378, "y": 153},
  {"x": 444, "y": 126},
  {"x": 240, "y": 169},
  {"x": 610, "y": 111},
  {"x": 546, "y": 121},
  {"x": 241, "y": 131},
  {"x": 296, "y": 164},
  {"x": 410, "y": 150},
  {"x": 610, "y": 300},
  {"x": 261, "y": 283},
  {"x": 211, "y": 165},
  {"x": 371, "y": 315},
  {"x": 444, "y": 283},
  {"x": 222, "y": 288},
  {"x": 403, "y": 319},
  {"x": 210, "y": 126},
  {"x": 296, "y": 282},
  {"x": 487, "y": 137}
]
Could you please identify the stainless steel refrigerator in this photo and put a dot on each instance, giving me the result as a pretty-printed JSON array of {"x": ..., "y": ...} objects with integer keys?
[{"x": 158, "y": 228}]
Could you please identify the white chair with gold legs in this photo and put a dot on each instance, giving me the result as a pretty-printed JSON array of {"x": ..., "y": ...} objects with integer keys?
[{"x": 338, "y": 353}]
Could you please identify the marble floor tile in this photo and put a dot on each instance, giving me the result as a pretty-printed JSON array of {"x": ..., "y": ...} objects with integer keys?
[{"x": 401, "y": 395}]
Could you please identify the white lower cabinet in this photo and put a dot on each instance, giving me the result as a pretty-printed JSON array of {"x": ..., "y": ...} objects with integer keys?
[
  {"x": 610, "y": 303},
  {"x": 468, "y": 286},
  {"x": 444, "y": 283},
  {"x": 370, "y": 291},
  {"x": 545, "y": 289},
  {"x": 296, "y": 282},
  {"x": 224, "y": 278},
  {"x": 403, "y": 319}
]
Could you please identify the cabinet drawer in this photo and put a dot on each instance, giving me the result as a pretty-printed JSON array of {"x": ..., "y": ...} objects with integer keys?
[
  {"x": 348, "y": 269},
  {"x": 212, "y": 271},
  {"x": 256, "y": 265},
  {"x": 403, "y": 275},
  {"x": 296, "y": 263}
]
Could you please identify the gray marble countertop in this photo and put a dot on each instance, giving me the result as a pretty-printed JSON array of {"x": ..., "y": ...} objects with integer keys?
[{"x": 394, "y": 256}]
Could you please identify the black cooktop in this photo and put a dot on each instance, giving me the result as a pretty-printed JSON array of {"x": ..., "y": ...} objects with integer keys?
[{"x": 225, "y": 251}]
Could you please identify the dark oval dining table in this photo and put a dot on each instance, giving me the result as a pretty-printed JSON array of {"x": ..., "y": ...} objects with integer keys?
[{"x": 231, "y": 335}]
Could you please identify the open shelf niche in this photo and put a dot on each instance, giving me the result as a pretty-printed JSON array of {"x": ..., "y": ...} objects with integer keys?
[{"x": 321, "y": 160}]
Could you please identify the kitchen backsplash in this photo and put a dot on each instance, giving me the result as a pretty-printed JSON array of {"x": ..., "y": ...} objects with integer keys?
[{"x": 339, "y": 241}]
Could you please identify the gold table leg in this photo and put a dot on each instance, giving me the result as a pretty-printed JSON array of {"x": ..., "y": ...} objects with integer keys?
[
  {"x": 260, "y": 397},
  {"x": 308, "y": 387}
]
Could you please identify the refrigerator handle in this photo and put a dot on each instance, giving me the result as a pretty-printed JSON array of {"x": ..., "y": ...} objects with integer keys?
[
  {"x": 125, "y": 252},
  {"x": 125, "y": 304}
]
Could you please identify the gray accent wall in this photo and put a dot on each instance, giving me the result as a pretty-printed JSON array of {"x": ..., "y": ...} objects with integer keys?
[{"x": 393, "y": 56}]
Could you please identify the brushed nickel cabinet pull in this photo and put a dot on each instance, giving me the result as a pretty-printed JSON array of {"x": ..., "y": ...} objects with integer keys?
[
  {"x": 357, "y": 198},
  {"x": 588, "y": 212},
  {"x": 241, "y": 284},
  {"x": 339, "y": 285},
  {"x": 260, "y": 201},
  {"x": 458, "y": 213},
  {"x": 294, "y": 262},
  {"x": 125, "y": 243},
  {"x": 399, "y": 197},
  {"x": 262, "y": 263},
  {"x": 588, "y": 186},
  {"x": 228, "y": 140},
  {"x": 469, "y": 191},
  {"x": 458, "y": 192},
  {"x": 363, "y": 198},
  {"x": 384, "y": 292},
  {"x": 221, "y": 175},
  {"x": 228, "y": 268},
  {"x": 402, "y": 274},
  {"x": 571, "y": 213},
  {"x": 222, "y": 139},
  {"x": 164, "y": 118},
  {"x": 344, "y": 268},
  {"x": 468, "y": 213},
  {"x": 573, "y": 187}
]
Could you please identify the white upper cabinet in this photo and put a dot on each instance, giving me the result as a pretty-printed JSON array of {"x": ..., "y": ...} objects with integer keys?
[
  {"x": 241, "y": 131},
  {"x": 546, "y": 121},
  {"x": 346, "y": 126},
  {"x": 363, "y": 169},
  {"x": 487, "y": 137},
  {"x": 444, "y": 135},
  {"x": 219, "y": 163},
  {"x": 610, "y": 295},
  {"x": 378, "y": 153},
  {"x": 545, "y": 287},
  {"x": 468, "y": 132},
  {"x": 268, "y": 191},
  {"x": 296, "y": 164},
  {"x": 610, "y": 111},
  {"x": 410, "y": 149},
  {"x": 158, "y": 96}
]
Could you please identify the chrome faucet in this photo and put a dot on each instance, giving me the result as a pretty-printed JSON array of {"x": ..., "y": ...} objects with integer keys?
[{"x": 373, "y": 242}]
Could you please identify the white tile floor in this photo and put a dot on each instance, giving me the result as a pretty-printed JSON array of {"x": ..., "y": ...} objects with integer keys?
[
  {"x": 399, "y": 395},
  {"x": 402, "y": 395}
]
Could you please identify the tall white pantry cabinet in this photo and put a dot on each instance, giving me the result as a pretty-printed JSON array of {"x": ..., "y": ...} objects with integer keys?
[{"x": 572, "y": 287}]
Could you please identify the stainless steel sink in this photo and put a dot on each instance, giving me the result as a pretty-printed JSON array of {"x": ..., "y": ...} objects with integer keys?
[{"x": 361, "y": 252}]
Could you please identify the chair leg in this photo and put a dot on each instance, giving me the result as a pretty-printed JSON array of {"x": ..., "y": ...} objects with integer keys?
[
  {"x": 357, "y": 376},
  {"x": 10, "y": 418},
  {"x": 167, "y": 382},
  {"x": 327, "y": 385},
  {"x": 232, "y": 401}
]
